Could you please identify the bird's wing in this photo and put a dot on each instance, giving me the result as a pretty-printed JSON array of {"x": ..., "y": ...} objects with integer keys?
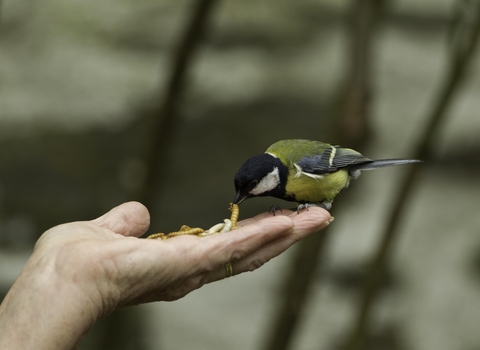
[{"x": 330, "y": 160}]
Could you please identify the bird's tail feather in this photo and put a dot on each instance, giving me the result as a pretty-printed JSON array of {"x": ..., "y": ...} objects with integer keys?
[{"x": 384, "y": 163}]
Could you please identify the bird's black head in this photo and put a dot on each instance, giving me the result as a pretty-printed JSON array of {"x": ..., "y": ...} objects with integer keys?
[{"x": 262, "y": 175}]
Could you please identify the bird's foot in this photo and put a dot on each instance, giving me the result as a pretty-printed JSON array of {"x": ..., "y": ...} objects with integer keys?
[
  {"x": 324, "y": 205},
  {"x": 274, "y": 208},
  {"x": 304, "y": 206}
]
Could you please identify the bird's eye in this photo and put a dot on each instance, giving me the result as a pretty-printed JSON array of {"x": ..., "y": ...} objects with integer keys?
[{"x": 254, "y": 183}]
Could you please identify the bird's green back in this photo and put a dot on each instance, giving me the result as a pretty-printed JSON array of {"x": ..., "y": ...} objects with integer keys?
[{"x": 291, "y": 151}]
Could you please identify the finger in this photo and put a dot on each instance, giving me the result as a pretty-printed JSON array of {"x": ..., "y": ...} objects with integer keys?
[
  {"x": 309, "y": 219},
  {"x": 305, "y": 223},
  {"x": 128, "y": 219},
  {"x": 211, "y": 252},
  {"x": 262, "y": 216},
  {"x": 190, "y": 258}
]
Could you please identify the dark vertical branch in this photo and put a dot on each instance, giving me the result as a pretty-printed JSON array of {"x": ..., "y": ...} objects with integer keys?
[
  {"x": 295, "y": 289},
  {"x": 352, "y": 131},
  {"x": 164, "y": 125},
  {"x": 356, "y": 100},
  {"x": 424, "y": 150},
  {"x": 124, "y": 328}
]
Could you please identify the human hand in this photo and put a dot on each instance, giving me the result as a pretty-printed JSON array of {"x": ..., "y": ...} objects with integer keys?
[{"x": 82, "y": 271}]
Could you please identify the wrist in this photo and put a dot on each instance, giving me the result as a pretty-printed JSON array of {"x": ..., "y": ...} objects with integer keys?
[{"x": 45, "y": 310}]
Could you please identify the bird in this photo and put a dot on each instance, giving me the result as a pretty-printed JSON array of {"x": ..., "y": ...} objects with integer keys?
[{"x": 311, "y": 173}]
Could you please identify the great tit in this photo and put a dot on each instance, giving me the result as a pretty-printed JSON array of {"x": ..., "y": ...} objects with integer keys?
[{"x": 310, "y": 173}]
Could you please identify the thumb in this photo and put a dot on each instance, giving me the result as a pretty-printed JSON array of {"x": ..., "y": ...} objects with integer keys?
[{"x": 128, "y": 219}]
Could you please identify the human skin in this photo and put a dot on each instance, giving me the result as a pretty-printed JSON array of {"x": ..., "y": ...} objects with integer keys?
[{"x": 81, "y": 271}]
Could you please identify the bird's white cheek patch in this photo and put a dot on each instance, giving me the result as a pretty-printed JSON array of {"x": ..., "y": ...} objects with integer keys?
[{"x": 268, "y": 183}]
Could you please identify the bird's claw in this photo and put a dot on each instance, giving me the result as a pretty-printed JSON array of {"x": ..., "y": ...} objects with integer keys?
[
  {"x": 304, "y": 206},
  {"x": 274, "y": 208}
]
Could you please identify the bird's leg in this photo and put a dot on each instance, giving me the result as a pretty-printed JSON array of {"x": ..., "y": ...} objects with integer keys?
[{"x": 327, "y": 205}]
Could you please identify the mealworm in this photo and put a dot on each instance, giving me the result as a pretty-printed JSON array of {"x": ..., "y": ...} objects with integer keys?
[
  {"x": 230, "y": 224},
  {"x": 157, "y": 236},
  {"x": 235, "y": 213},
  {"x": 216, "y": 228},
  {"x": 227, "y": 227},
  {"x": 189, "y": 231}
]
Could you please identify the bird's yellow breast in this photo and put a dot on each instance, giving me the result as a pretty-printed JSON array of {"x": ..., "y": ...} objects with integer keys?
[{"x": 307, "y": 189}]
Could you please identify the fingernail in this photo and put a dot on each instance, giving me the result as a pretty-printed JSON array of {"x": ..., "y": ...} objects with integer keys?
[{"x": 329, "y": 221}]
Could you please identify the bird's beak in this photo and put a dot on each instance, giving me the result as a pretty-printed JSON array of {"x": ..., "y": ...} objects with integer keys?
[{"x": 240, "y": 197}]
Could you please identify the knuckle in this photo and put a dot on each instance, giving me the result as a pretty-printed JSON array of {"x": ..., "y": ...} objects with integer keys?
[
  {"x": 238, "y": 254},
  {"x": 255, "y": 264}
]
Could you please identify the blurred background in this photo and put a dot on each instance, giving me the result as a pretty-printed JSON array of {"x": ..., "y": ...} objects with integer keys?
[{"x": 161, "y": 101}]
